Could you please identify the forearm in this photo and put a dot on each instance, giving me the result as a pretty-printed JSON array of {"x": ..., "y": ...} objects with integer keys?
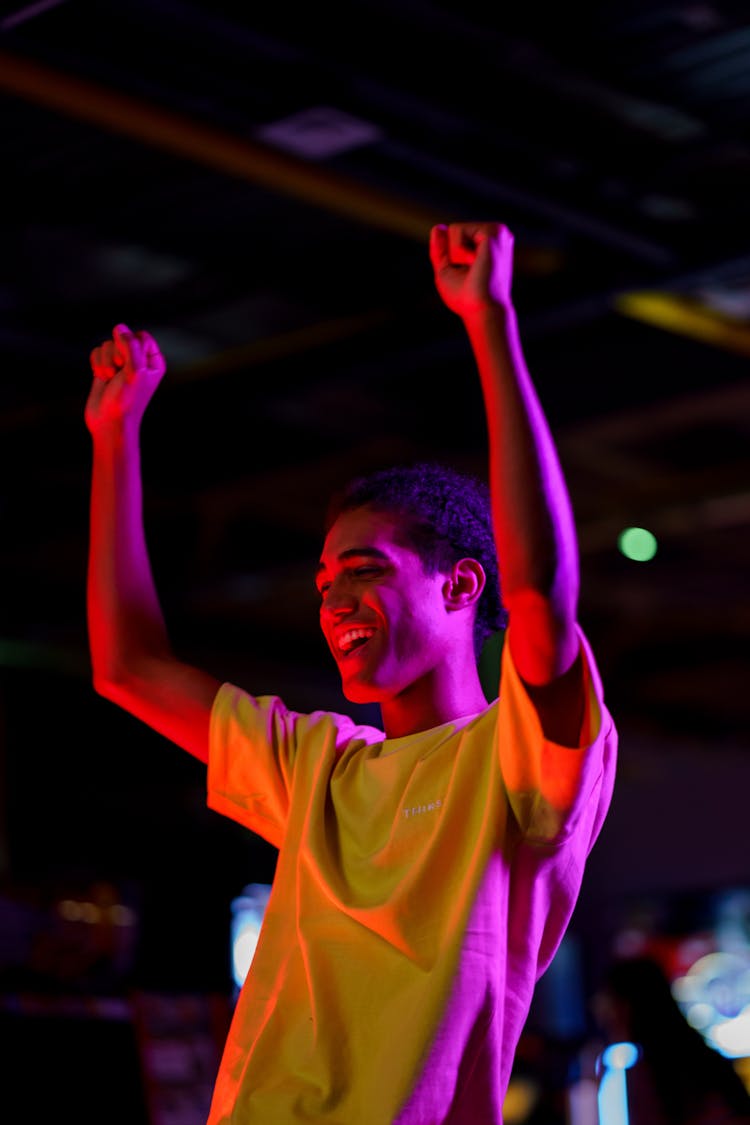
[
  {"x": 133, "y": 664},
  {"x": 125, "y": 621},
  {"x": 533, "y": 519}
]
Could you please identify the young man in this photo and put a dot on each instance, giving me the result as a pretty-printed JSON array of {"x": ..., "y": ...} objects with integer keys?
[{"x": 427, "y": 870}]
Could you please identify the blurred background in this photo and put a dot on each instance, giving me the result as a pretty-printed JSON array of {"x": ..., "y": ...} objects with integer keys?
[{"x": 255, "y": 186}]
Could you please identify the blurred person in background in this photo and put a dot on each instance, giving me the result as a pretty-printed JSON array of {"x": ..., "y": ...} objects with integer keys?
[{"x": 678, "y": 1079}]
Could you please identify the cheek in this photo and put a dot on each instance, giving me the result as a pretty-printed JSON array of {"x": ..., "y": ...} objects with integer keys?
[{"x": 420, "y": 626}]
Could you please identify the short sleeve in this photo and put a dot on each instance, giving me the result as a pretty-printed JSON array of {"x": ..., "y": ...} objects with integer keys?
[
  {"x": 250, "y": 762},
  {"x": 547, "y": 783}
]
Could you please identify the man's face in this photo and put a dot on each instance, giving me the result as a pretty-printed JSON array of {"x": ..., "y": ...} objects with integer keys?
[{"x": 383, "y": 617}]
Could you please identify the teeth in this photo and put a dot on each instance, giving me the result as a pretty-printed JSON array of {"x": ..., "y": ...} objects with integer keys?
[{"x": 348, "y": 640}]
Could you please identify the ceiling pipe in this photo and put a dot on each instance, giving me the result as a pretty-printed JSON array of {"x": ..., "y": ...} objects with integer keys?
[
  {"x": 204, "y": 144},
  {"x": 278, "y": 171}
]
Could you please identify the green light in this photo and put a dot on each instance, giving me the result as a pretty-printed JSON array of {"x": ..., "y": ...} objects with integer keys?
[{"x": 637, "y": 543}]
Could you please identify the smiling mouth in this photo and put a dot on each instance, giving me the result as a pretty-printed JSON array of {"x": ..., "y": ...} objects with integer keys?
[{"x": 353, "y": 639}]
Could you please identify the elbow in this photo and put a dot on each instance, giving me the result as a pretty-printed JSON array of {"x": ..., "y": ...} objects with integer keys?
[
  {"x": 541, "y": 578},
  {"x": 124, "y": 692},
  {"x": 113, "y": 675},
  {"x": 102, "y": 685},
  {"x": 546, "y": 609},
  {"x": 109, "y": 684},
  {"x": 545, "y": 638}
]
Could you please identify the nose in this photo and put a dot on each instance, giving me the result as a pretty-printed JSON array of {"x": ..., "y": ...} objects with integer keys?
[{"x": 338, "y": 600}]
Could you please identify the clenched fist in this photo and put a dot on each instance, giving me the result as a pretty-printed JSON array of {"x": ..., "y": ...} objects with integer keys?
[
  {"x": 473, "y": 264},
  {"x": 127, "y": 370}
]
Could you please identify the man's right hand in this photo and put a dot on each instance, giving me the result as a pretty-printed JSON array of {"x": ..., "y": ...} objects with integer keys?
[
  {"x": 132, "y": 660},
  {"x": 127, "y": 370}
]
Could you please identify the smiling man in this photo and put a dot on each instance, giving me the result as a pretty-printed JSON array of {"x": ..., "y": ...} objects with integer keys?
[
  {"x": 427, "y": 867},
  {"x": 397, "y": 627}
]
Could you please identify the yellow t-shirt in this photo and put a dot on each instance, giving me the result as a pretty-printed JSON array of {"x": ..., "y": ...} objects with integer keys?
[{"x": 422, "y": 886}]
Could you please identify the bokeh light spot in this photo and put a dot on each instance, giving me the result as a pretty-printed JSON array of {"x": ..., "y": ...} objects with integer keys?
[{"x": 637, "y": 543}]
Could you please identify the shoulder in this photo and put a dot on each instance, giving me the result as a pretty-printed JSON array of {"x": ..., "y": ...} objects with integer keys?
[{"x": 238, "y": 713}]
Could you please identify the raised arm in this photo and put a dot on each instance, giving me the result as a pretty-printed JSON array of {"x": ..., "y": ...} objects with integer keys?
[
  {"x": 133, "y": 663},
  {"x": 534, "y": 527}
]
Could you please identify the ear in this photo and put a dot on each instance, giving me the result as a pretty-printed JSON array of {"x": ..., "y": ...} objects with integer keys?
[{"x": 464, "y": 584}]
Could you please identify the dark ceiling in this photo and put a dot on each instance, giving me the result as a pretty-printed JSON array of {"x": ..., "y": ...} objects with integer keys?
[{"x": 254, "y": 184}]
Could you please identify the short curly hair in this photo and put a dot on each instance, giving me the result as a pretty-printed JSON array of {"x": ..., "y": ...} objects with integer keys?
[{"x": 447, "y": 517}]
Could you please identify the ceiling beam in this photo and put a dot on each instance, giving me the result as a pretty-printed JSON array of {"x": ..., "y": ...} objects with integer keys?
[
  {"x": 313, "y": 183},
  {"x": 184, "y": 137}
]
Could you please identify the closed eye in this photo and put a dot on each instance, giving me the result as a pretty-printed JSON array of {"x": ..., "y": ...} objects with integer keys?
[{"x": 370, "y": 570}]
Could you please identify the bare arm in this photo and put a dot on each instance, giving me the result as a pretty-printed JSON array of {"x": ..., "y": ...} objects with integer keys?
[
  {"x": 132, "y": 660},
  {"x": 534, "y": 527}
]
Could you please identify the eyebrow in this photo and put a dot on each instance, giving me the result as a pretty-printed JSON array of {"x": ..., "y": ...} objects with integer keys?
[{"x": 357, "y": 553}]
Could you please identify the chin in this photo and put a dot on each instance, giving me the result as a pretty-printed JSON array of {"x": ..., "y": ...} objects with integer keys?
[
  {"x": 361, "y": 689},
  {"x": 362, "y": 693}
]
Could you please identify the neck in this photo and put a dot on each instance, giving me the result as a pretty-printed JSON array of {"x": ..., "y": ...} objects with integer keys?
[{"x": 429, "y": 704}]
